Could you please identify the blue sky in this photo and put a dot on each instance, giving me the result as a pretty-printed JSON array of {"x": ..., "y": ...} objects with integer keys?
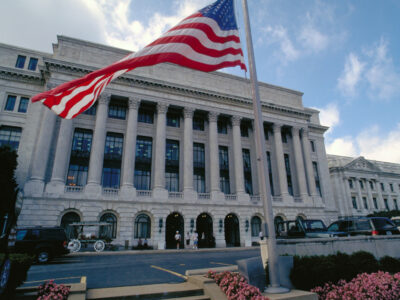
[{"x": 343, "y": 55}]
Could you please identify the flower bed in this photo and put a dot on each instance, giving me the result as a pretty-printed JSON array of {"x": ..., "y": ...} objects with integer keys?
[
  {"x": 49, "y": 291},
  {"x": 235, "y": 286},
  {"x": 377, "y": 286}
]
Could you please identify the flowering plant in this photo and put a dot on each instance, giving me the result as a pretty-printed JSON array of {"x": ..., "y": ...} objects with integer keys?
[
  {"x": 235, "y": 286},
  {"x": 51, "y": 291},
  {"x": 376, "y": 286}
]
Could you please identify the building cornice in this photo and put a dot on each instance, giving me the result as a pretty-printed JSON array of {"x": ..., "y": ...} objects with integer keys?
[
  {"x": 74, "y": 69},
  {"x": 21, "y": 76}
]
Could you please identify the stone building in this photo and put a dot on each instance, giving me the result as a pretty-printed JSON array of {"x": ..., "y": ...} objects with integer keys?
[
  {"x": 361, "y": 186},
  {"x": 165, "y": 148}
]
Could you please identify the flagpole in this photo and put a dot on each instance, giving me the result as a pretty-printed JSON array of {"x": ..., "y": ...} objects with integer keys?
[{"x": 263, "y": 176}]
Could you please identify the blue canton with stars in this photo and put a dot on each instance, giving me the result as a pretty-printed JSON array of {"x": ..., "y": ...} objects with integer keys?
[{"x": 222, "y": 12}]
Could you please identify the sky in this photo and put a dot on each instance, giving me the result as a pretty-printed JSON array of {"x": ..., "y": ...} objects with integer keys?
[{"x": 343, "y": 55}]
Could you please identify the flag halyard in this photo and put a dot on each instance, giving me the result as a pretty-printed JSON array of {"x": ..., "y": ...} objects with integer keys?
[{"x": 207, "y": 41}]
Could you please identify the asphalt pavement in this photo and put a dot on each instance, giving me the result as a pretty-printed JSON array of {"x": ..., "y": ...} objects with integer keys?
[{"x": 128, "y": 268}]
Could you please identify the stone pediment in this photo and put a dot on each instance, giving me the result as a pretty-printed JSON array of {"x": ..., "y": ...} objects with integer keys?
[{"x": 361, "y": 164}]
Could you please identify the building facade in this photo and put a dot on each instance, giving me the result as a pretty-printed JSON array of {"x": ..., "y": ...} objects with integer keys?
[
  {"x": 165, "y": 148},
  {"x": 362, "y": 186}
]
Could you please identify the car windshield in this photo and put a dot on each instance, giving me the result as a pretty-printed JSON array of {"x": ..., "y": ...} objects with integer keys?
[
  {"x": 382, "y": 223},
  {"x": 396, "y": 221},
  {"x": 314, "y": 225}
]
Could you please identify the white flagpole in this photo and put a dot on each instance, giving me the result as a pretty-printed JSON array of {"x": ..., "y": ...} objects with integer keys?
[{"x": 263, "y": 176}]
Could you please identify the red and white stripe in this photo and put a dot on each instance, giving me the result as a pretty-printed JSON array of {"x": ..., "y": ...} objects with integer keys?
[{"x": 197, "y": 42}]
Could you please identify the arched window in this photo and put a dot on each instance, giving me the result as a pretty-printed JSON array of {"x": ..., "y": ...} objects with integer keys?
[
  {"x": 142, "y": 226},
  {"x": 69, "y": 218},
  {"x": 255, "y": 226},
  {"x": 110, "y": 232},
  {"x": 279, "y": 226}
]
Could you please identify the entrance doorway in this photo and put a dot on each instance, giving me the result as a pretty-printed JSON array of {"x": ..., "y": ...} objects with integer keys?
[
  {"x": 204, "y": 228},
  {"x": 174, "y": 223},
  {"x": 232, "y": 235}
]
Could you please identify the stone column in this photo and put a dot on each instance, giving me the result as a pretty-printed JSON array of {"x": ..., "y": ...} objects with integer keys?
[
  {"x": 238, "y": 156},
  {"x": 159, "y": 161},
  {"x": 347, "y": 197},
  {"x": 370, "y": 202},
  {"x": 97, "y": 152},
  {"x": 308, "y": 164},
  {"x": 360, "y": 204},
  {"x": 64, "y": 141},
  {"x": 128, "y": 191},
  {"x": 35, "y": 185},
  {"x": 214, "y": 154},
  {"x": 380, "y": 196},
  {"x": 188, "y": 153},
  {"x": 280, "y": 162},
  {"x": 298, "y": 157}
]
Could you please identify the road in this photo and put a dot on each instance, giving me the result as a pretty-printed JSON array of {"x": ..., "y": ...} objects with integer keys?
[{"x": 133, "y": 268}]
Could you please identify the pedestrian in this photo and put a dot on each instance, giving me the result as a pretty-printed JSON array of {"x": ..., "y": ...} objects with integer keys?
[
  {"x": 195, "y": 238},
  {"x": 187, "y": 239},
  {"x": 177, "y": 239},
  {"x": 261, "y": 235}
]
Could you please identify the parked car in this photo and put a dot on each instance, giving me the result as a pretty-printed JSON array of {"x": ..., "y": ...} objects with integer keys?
[
  {"x": 363, "y": 226},
  {"x": 396, "y": 221},
  {"x": 44, "y": 242},
  {"x": 302, "y": 229}
]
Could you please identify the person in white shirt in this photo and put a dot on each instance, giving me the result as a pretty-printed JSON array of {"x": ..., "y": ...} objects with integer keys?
[
  {"x": 195, "y": 238},
  {"x": 177, "y": 239}
]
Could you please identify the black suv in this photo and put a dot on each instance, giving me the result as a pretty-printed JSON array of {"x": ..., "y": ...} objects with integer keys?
[
  {"x": 44, "y": 242},
  {"x": 363, "y": 226}
]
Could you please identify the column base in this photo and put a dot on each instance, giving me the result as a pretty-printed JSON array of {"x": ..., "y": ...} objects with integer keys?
[
  {"x": 127, "y": 192},
  {"x": 34, "y": 187},
  {"x": 241, "y": 196},
  {"x": 160, "y": 245},
  {"x": 220, "y": 243},
  {"x": 93, "y": 190},
  {"x": 55, "y": 188},
  {"x": 160, "y": 193},
  {"x": 247, "y": 243},
  {"x": 190, "y": 195},
  {"x": 217, "y": 195}
]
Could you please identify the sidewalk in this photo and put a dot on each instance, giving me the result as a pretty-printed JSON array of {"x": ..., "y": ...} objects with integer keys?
[{"x": 138, "y": 252}]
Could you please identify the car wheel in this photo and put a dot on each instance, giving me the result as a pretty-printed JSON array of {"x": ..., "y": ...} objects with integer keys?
[
  {"x": 99, "y": 246},
  {"x": 4, "y": 275},
  {"x": 43, "y": 256}
]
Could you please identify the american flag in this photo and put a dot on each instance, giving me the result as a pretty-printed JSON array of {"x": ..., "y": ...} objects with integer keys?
[{"x": 207, "y": 41}]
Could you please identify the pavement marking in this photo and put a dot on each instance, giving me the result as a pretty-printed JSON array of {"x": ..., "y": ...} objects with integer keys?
[
  {"x": 169, "y": 271},
  {"x": 217, "y": 263},
  {"x": 181, "y": 264},
  {"x": 83, "y": 279},
  {"x": 36, "y": 281}
]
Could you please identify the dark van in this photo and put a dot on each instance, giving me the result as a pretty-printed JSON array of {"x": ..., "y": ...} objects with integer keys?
[
  {"x": 363, "y": 226},
  {"x": 44, "y": 242}
]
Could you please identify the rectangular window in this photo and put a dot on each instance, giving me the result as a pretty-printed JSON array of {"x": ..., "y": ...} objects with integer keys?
[
  {"x": 316, "y": 176},
  {"x": 222, "y": 125},
  {"x": 312, "y": 146},
  {"x": 386, "y": 204},
  {"x": 172, "y": 166},
  {"x": 375, "y": 203},
  {"x": 354, "y": 202},
  {"x": 117, "y": 110},
  {"x": 173, "y": 119},
  {"x": 224, "y": 170},
  {"x": 142, "y": 178},
  {"x": 391, "y": 187},
  {"x": 361, "y": 184},
  {"x": 266, "y": 131},
  {"x": 248, "y": 185},
  {"x": 23, "y": 105},
  {"x": 382, "y": 187},
  {"x": 198, "y": 123},
  {"x": 288, "y": 174},
  {"x": 32, "y": 64},
  {"x": 244, "y": 129},
  {"x": 365, "y": 202},
  {"x": 351, "y": 183},
  {"x": 199, "y": 168},
  {"x": 146, "y": 115},
  {"x": 371, "y": 185},
  {"x": 20, "y": 62},
  {"x": 112, "y": 160},
  {"x": 79, "y": 160},
  {"x": 113, "y": 147},
  {"x": 396, "y": 207},
  {"x": 271, "y": 182},
  {"x": 111, "y": 177},
  {"x": 284, "y": 136},
  {"x": 10, "y": 104},
  {"x": 10, "y": 136}
]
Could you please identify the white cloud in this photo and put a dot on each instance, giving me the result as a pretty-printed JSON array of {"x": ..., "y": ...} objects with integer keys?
[
  {"x": 351, "y": 75},
  {"x": 279, "y": 35},
  {"x": 313, "y": 39},
  {"x": 329, "y": 116},
  {"x": 371, "y": 143}
]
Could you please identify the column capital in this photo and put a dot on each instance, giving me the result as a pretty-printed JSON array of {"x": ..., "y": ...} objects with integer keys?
[
  {"x": 162, "y": 108},
  {"x": 277, "y": 127},
  {"x": 133, "y": 102},
  {"x": 104, "y": 98},
  {"x": 236, "y": 120},
  {"x": 296, "y": 130},
  {"x": 188, "y": 112},
  {"x": 213, "y": 116}
]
